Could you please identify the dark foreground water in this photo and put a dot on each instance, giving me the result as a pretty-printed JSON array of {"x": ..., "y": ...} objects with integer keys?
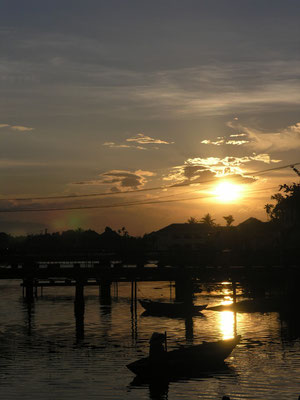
[{"x": 44, "y": 356}]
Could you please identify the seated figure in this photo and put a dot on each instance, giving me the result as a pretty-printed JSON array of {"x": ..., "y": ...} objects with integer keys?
[{"x": 157, "y": 348}]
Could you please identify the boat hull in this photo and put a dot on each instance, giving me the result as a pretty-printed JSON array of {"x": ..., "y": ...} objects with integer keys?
[
  {"x": 170, "y": 309},
  {"x": 187, "y": 361}
]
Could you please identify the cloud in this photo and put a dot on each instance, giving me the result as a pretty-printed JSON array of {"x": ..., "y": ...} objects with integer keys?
[
  {"x": 223, "y": 141},
  {"x": 230, "y": 161},
  {"x": 143, "y": 139},
  {"x": 236, "y": 142},
  {"x": 21, "y": 128},
  {"x": 216, "y": 143},
  {"x": 238, "y": 135},
  {"x": 120, "y": 179},
  {"x": 284, "y": 140},
  {"x": 114, "y": 145},
  {"x": 264, "y": 158},
  {"x": 287, "y": 139},
  {"x": 209, "y": 169},
  {"x": 220, "y": 89},
  {"x": 140, "y": 138}
]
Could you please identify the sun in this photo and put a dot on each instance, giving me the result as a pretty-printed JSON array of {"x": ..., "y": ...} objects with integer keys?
[{"x": 227, "y": 192}]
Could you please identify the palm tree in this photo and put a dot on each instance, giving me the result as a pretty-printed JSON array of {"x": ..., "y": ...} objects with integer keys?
[
  {"x": 192, "y": 220},
  {"x": 208, "y": 220}
]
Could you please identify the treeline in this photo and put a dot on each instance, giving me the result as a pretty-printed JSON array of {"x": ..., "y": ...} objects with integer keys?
[
  {"x": 79, "y": 241},
  {"x": 252, "y": 242}
]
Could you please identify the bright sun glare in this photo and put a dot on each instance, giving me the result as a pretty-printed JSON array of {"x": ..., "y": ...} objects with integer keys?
[{"x": 227, "y": 192}]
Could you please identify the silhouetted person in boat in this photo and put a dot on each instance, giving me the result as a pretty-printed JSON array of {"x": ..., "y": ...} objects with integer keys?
[{"x": 157, "y": 349}]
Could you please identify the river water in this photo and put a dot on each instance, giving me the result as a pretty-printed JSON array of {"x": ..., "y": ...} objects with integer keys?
[{"x": 44, "y": 355}]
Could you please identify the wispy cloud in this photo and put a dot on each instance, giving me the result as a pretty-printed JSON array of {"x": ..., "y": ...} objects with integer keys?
[
  {"x": 238, "y": 135},
  {"x": 236, "y": 142},
  {"x": 258, "y": 140},
  {"x": 180, "y": 92},
  {"x": 19, "y": 128},
  {"x": 140, "y": 138},
  {"x": 119, "y": 180},
  {"x": 215, "y": 143},
  {"x": 224, "y": 141},
  {"x": 114, "y": 145},
  {"x": 143, "y": 139},
  {"x": 284, "y": 140}
]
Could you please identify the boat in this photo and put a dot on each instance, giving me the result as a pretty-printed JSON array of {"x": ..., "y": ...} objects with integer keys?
[
  {"x": 261, "y": 305},
  {"x": 171, "y": 309},
  {"x": 184, "y": 361}
]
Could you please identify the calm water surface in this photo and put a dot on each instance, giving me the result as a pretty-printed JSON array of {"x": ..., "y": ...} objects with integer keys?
[{"x": 44, "y": 355}]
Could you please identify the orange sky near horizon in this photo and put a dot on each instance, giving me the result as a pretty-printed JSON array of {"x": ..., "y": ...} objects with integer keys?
[{"x": 149, "y": 105}]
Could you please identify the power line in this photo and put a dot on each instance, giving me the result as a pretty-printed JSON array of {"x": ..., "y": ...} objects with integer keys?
[
  {"x": 273, "y": 169},
  {"x": 102, "y": 206},
  {"x": 118, "y": 205},
  {"x": 183, "y": 184}
]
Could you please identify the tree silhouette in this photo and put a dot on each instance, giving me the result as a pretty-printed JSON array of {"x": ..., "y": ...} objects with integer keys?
[
  {"x": 192, "y": 220},
  {"x": 123, "y": 232},
  {"x": 229, "y": 220},
  {"x": 287, "y": 207},
  {"x": 269, "y": 207},
  {"x": 208, "y": 220}
]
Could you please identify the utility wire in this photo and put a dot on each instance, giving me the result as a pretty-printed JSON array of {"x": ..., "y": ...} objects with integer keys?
[
  {"x": 118, "y": 205},
  {"x": 102, "y": 206},
  {"x": 183, "y": 184}
]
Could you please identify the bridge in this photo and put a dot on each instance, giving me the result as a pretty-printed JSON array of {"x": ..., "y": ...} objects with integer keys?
[{"x": 42, "y": 274}]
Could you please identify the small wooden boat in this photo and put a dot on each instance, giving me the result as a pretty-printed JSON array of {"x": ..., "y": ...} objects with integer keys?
[
  {"x": 171, "y": 309},
  {"x": 185, "y": 361},
  {"x": 251, "y": 306}
]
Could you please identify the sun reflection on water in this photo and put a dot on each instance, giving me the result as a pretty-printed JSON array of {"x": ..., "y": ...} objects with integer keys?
[
  {"x": 227, "y": 324},
  {"x": 227, "y": 318}
]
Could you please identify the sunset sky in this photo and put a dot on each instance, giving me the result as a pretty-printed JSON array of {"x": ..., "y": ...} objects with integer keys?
[{"x": 106, "y": 97}]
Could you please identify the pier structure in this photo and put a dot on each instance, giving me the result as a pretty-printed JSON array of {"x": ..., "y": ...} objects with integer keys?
[
  {"x": 257, "y": 280},
  {"x": 37, "y": 275}
]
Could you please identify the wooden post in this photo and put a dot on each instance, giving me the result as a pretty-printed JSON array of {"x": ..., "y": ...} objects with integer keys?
[
  {"x": 234, "y": 291},
  {"x": 183, "y": 290},
  {"x": 28, "y": 283},
  {"x": 79, "y": 307},
  {"x": 234, "y": 302},
  {"x": 133, "y": 309},
  {"x": 135, "y": 297},
  {"x": 131, "y": 299},
  {"x": 105, "y": 291}
]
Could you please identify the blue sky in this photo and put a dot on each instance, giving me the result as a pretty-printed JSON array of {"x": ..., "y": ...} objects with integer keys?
[{"x": 113, "y": 96}]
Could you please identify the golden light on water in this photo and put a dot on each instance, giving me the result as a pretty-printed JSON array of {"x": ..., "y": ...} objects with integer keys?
[
  {"x": 226, "y": 318},
  {"x": 227, "y": 324},
  {"x": 227, "y": 192}
]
